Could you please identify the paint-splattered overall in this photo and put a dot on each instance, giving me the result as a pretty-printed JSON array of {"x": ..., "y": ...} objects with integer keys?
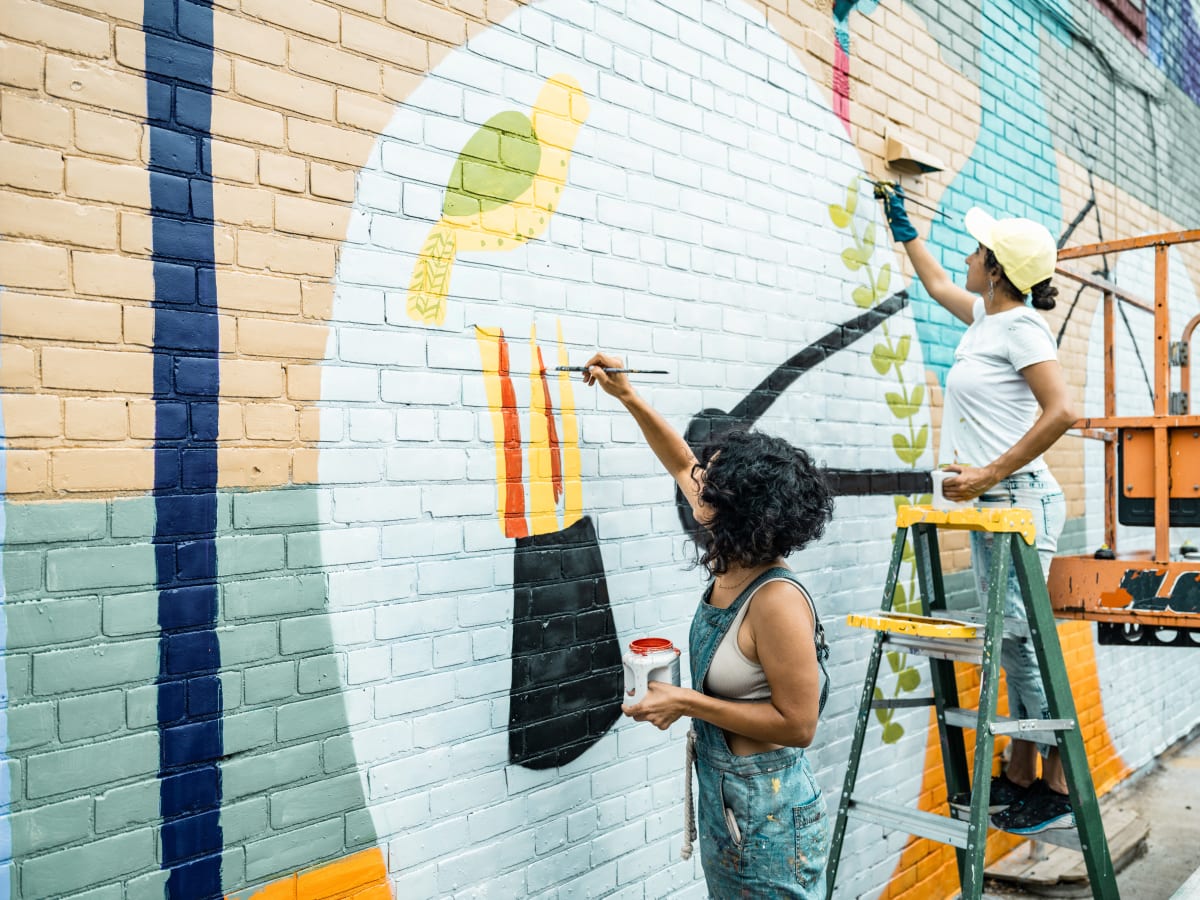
[{"x": 763, "y": 827}]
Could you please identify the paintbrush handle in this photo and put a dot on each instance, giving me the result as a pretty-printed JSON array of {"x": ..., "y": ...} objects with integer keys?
[
  {"x": 613, "y": 371},
  {"x": 908, "y": 199}
]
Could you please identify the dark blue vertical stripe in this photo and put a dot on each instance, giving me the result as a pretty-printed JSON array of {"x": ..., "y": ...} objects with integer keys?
[{"x": 186, "y": 390}]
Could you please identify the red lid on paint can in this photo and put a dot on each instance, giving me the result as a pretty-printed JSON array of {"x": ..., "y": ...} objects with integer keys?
[{"x": 646, "y": 646}]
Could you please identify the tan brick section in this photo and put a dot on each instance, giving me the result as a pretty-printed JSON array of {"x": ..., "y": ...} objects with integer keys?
[
  {"x": 72, "y": 118},
  {"x": 33, "y": 168},
  {"x": 35, "y": 121},
  {"x": 96, "y": 419}
]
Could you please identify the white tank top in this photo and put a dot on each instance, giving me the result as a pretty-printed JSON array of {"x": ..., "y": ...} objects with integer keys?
[{"x": 730, "y": 674}]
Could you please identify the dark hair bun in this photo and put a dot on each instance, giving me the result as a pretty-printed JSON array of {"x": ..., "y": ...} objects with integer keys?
[{"x": 1043, "y": 295}]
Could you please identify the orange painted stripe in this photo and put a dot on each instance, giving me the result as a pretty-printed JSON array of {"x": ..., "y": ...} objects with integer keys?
[
  {"x": 362, "y": 876},
  {"x": 506, "y": 431},
  {"x": 514, "y": 487}
]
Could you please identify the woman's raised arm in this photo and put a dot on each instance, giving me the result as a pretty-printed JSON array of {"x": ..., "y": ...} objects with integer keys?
[
  {"x": 958, "y": 302},
  {"x": 668, "y": 445}
]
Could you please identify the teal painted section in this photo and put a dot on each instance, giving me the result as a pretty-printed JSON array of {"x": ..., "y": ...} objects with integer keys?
[
  {"x": 290, "y": 780},
  {"x": 841, "y": 18},
  {"x": 1012, "y": 170},
  {"x": 81, "y": 618},
  {"x": 81, "y": 747}
]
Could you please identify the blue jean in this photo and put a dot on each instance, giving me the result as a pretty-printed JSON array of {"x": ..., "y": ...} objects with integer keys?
[
  {"x": 1040, "y": 494},
  {"x": 763, "y": 825}
]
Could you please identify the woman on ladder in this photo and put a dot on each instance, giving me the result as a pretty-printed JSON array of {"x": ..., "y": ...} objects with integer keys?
[
  {"x": 758, "y": 673},
  {"x": 1005, "y": 368}
]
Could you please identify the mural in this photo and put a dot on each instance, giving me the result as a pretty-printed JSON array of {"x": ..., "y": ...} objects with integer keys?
[
  {"x": 317, "y": 569},
  {"x": 619, "y": 257}
]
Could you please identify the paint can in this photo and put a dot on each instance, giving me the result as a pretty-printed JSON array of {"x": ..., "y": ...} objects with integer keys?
[
  {"x": 649, "y": 659},
  {"x": 940, "y": 500}
]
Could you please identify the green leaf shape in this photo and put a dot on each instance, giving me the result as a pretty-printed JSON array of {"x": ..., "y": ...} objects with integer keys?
[
  {"x": 905, "y": 407},
  {"x": 852, "y": 259},
  {"x": 852, "y": 195},
  {"x": 900, "y": 599},
  {"x": 892, "y": 732},
  {"x": 894, "y": 660},
  {"x": 863, "y": 296},
  {"x": 869, "y": 238},
  {"x": 883, "y": 279},
  {"x": 839, "y": 215},
  {"x": 902, "y": 347},
  {"x": 907, "y": 452},
  {"x": 882, "y": 358},
  {"x": 922, "y": 439},
  {"x": 925, "y": 500},
  {"x": 495, "y": 166},
  {"x": 909, "y": 680}
]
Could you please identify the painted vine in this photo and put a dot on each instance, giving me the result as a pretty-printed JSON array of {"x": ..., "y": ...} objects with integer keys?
[{"x": 909, "y": 444}]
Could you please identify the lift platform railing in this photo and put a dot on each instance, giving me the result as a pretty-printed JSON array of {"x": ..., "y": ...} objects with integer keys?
[{"x": 1151, "y": 471}]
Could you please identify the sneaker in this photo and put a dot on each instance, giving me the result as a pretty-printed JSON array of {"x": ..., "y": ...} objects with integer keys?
[
  {"x": 1003, "y": 794},
  {"x": 1043, "y": 809}
]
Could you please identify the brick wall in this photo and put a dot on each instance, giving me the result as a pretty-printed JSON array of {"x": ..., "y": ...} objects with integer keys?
[{"x": 316, "y": 575}]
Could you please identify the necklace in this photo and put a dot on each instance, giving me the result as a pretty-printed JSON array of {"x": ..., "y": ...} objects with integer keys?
[{"x": 729, "y": 587}]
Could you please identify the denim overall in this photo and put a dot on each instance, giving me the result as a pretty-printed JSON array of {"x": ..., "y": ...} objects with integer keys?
[{"x": 763, "y": 828}]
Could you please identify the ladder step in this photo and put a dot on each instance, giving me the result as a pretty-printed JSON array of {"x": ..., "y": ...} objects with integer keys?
[
  {"x": 963, "y": 649},
  {"x": 903, "y": 702},
  {"x": 905, "y": 819},
  {"x": 914, "y": 625},
  {"x": 1014, "y": 626},
  {"x": 1039, "y": 731}
]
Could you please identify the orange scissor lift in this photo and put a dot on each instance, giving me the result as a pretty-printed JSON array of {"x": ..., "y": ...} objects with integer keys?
[{"x": 1151, "y": 479}]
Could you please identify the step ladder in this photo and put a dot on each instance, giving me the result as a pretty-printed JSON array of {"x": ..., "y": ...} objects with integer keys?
[{"x": 945, "y": 641}]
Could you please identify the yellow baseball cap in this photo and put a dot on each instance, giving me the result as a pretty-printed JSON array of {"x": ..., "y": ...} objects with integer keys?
[{"x": 1024, "y": 248}]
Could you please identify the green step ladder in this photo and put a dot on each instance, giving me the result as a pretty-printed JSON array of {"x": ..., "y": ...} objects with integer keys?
[{"x": 946, "y": 641}]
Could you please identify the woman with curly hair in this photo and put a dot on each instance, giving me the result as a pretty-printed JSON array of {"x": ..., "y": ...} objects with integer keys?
[{"x": 757, "y": 655}]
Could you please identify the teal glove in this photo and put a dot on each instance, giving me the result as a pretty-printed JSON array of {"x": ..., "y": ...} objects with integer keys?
[{"x": 892, "y": 196}]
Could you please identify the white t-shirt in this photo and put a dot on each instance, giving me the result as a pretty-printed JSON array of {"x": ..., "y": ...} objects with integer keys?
[{"x": 988, "y": 403}]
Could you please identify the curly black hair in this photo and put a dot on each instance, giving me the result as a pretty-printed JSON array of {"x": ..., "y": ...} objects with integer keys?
[{"x": 767, "y": 497}]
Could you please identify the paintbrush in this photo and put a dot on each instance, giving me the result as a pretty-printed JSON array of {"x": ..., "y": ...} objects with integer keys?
[
  {"x": 614, "y": 371},
  {"x": 907, "y": 199}
]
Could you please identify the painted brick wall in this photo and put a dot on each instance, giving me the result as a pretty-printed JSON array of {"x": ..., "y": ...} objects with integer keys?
[{"x": 316, "y": 575}]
